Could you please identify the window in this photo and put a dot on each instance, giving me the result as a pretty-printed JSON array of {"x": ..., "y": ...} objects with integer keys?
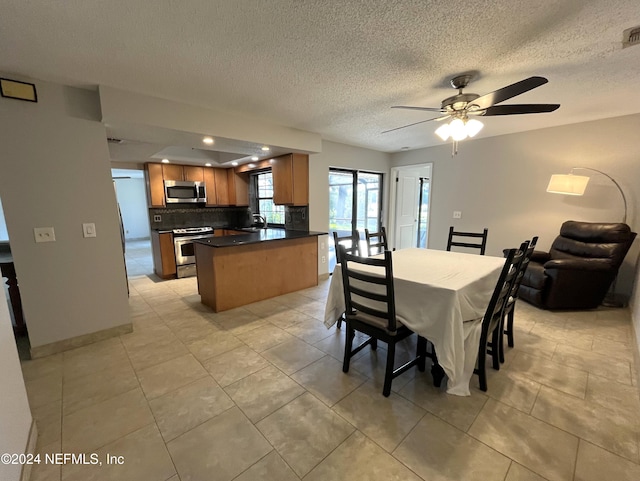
[{"x": 264, "y": 199}]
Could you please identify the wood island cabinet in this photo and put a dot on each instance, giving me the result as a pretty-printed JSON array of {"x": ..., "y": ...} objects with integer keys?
[{"x": 291, "y": 179}]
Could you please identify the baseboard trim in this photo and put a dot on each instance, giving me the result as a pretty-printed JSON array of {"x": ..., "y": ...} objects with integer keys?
[
  {"x": 30, "y": 448},
  {"x": 323, "y": 277},
  {"x": 636, "y": 353},
  {"x": 78, "y": 341}
]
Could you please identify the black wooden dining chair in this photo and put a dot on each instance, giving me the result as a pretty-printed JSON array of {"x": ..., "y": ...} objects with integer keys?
[
  {"x": 509, "y": 308},
  {"x": 463, "y": 239},
  {"x": 376, "y": 241},
  {"x": 351, "y": 244},
  {"x": 492, "y": 320},
  {"x": 362, "y": 290}
]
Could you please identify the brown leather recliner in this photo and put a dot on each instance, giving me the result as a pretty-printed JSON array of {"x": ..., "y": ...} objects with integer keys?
[{"x": 578, "y": 269}]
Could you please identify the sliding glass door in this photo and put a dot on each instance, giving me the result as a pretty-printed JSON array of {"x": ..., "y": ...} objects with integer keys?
[{"x": 355, "y": 203}]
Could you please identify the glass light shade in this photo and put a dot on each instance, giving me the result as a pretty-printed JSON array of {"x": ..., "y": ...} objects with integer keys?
[
  {"x": 443, "y": 131},
  {"x": 568, "y": 184},
  {"x": 458, "y": 131},
  {"x": 473, "y": 127}
]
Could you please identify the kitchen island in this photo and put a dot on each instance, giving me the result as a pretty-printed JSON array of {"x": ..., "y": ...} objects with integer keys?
[{"x": 237, "y": 270}]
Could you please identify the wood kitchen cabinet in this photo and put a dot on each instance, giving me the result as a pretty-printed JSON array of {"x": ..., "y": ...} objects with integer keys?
[
  {"x": 164, "y": 258},
  {"x": 155, "y": 185},
  {"x": 182, "y": 172},
  {"x": 291, "y": 179},
  {"x": 238, "y": 188},
  {"x": 216, "y": 183}
]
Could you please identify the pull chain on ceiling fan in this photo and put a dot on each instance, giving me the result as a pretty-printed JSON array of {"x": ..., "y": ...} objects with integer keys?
[{"x": 460, "y": 107}]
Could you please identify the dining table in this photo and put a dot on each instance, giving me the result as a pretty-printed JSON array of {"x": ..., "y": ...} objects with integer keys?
[{"x": 440, "y": 295}]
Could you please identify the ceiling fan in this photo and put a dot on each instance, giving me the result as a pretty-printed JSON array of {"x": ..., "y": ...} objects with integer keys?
[{"x": 462, "y": 106}]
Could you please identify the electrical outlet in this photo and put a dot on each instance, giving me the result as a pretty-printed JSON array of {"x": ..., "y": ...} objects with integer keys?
[
  {"x": 324, "y": 259},
  {"x": 157, "y": 218},
  {"x": 44, "y": 234},
  {"x": 457, "y": 214}
]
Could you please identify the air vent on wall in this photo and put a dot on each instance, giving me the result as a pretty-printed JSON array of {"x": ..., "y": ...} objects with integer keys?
[
  {"x": 113, "y": 140},
  {"x": 631, "y": 36}
]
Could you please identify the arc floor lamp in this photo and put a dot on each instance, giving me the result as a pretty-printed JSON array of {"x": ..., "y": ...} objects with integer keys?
[{"x": 570, "y": 184}]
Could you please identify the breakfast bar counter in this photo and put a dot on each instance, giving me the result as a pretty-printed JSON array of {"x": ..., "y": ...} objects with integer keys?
[{"x": 237, "y": 270}]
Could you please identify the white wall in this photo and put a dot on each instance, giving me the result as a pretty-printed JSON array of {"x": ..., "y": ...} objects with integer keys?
[
  {"x": 500, "y": 183},
  {"x": 345, "y": 156},
  {"x": 55, "y": 172},
  {"x": 132, "y": 198},
  {"x": 15, "y": 416}
]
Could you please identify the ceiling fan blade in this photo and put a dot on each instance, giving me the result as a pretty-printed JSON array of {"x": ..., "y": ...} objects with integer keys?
[
  {"x": 415, "y": 123},
  {"x": 428, "y": 109},
  {"x": 520, "y": 109},
  {"x": 509, "y": 91}
]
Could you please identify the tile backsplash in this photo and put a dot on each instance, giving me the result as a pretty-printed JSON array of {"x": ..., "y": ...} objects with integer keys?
[
  {"x": 296, "y": 218},
  {"x": 173, "y": 218}
]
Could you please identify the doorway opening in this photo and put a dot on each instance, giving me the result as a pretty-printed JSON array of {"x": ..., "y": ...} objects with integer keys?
[
  {"x": 134, "y": 214},
  {"x": 410, "y": 205},
  {"x": 355, "y": 204}
]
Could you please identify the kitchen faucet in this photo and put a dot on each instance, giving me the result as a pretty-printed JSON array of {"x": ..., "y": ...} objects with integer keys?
[{"x": 261, "y": 219}]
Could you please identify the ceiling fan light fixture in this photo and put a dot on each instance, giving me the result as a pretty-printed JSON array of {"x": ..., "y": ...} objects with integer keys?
[{"x": 443, "y": 131}]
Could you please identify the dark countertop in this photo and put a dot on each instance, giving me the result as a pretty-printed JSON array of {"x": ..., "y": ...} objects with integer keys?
[{"x": 261, "y": 235}]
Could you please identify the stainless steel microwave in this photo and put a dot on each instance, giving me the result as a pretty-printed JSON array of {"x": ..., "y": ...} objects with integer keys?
[{"x": 184, "y": 191}]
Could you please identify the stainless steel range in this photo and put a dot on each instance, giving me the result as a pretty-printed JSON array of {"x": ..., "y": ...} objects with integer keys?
[{"x": 185, "y": 252}]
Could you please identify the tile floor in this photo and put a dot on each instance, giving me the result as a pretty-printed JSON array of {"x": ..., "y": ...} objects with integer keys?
[{"x": 257, "y": 393}]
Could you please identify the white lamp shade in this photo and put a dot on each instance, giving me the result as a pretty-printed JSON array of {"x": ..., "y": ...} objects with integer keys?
[
  {"x": 473, "y": 127},
  {"x": 443, "y": 131},
  {"x": 458, "y": 131},
  {"x": 568, "y": 184}
]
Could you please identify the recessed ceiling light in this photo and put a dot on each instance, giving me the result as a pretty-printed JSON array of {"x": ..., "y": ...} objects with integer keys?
[
  {"x": 255, "y": 157},
  {"x": 271, "y": 161},
  {"x": 207, "y": 164},
  {"x": 252, "y": 165},
  {"x": 404, "y": 148},
  {"x": 265, "y": 148},
  {"x": 165, "y": 161},
  {"x": 234, "y": 163},
  {"x": 208, "y": 140}
]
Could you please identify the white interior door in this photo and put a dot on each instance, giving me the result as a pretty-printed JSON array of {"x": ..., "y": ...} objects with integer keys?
[{"x": 407, "y": 203}]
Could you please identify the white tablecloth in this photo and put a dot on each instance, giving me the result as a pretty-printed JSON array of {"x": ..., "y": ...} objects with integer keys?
[{"x": 442, "y": 296}]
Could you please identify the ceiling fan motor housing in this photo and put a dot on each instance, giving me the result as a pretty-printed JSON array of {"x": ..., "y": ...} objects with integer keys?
[{"x": 458, "y": 102}]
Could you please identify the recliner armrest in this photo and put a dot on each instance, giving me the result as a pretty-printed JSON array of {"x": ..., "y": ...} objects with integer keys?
[
  {"x": 579, "y": 264},
  {"x": 540, "y": 256}
]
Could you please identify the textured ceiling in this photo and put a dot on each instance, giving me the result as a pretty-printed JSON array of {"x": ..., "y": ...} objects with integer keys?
[{"x": 334, "y": 67}]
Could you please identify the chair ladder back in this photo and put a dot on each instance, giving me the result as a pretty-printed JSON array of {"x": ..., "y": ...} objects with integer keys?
[
  {"x": 368, "y": 286},
  {"x": 352, "y": 248},
  {"x": 376, "y": 240},
  {"x": 493, "y": 315},
  {"x": 482, "y": 244}
]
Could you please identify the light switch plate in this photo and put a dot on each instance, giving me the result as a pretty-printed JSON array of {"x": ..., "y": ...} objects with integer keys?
[
  {"x": 44, "y": 234},
  {"x": 89, "y": 229}
]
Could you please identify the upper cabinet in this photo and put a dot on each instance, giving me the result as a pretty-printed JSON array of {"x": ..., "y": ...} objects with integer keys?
[
  {"x": 215, "y": 180},
  {"x": 182, "y": 172},
  {"x": 291, "y": 179},
  {"x": 238, "y": 188},
  {"x": 155, "y": 185}
]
